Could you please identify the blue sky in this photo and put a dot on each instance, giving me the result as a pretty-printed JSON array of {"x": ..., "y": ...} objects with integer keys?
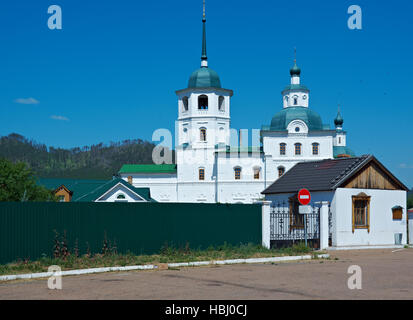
[{"x": 111, "y": 73}]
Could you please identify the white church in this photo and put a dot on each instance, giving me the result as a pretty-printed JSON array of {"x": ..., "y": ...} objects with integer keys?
[{"x": 209, "y": 168}]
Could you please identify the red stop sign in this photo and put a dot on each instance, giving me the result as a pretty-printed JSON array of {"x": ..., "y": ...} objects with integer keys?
[{"x": 304, "y": 196}]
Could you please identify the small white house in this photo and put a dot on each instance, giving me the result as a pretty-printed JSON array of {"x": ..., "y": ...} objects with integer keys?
[{"x": 367, "y": 202}]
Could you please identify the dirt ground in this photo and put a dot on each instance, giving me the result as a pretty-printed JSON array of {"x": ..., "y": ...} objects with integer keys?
[{"x": 386, "y": 274}]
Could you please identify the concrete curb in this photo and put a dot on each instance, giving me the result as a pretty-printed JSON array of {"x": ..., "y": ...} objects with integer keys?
[{"x": 152, "y": 267}]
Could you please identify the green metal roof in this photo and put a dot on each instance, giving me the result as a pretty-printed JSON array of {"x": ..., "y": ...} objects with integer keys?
[
  {"x": 91, "y": 190},
  {"x": 296, "y": 87},
  {"x": 204, "y": 78},
  {"x": 282, "y": 119},
  {"x": 148, "y": 168},
  {"x": 338, "y": 150}
]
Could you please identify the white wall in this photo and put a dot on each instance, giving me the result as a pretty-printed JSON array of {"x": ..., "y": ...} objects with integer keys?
[
  {"x": 163, "y": 187},
  {"x": 382, "y": 225}
]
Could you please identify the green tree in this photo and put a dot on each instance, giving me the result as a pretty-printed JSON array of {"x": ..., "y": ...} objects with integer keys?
[
  {"x": 410, "y": 202},
  {"x": 17, "y": 183}
]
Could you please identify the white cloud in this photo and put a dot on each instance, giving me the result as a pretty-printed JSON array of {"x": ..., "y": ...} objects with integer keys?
[
  {"x": 60, "y": 118},
  {"x": 26, "y": 101}
]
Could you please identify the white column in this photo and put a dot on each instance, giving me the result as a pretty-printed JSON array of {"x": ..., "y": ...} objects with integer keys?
[
  {"x": 266, "y": 221},
  {"x": 324, "y": 225}
]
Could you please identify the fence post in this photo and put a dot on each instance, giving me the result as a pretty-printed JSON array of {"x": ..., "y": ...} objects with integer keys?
[
  {"x": 266, "y": 223},
  {"x": 324, "y": 225}
]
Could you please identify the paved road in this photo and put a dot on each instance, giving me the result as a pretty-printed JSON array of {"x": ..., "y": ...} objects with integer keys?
[{"x": 385, "y": 275}]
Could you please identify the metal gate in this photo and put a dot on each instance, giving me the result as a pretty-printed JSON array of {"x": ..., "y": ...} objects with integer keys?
[{"x": 288, "y": 228}]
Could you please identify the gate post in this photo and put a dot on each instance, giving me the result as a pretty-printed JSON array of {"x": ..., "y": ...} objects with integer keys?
[
  {"x": 266, "y": 224},
  {"x": 324, "y": 225}
]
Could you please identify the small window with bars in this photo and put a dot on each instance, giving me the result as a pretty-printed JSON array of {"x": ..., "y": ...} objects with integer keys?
[
  {"x": 316, "y": 148},
  {"x": 282, "y": 149},
  {"x": 201, "y": 174},
  {"x": 297, "y": 149},
  {"x": 237, "y": 173},
  {"x": 256, "y": 173}
]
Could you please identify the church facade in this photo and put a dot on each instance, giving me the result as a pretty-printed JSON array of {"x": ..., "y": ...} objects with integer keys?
[{"x": 209, "y": 168}]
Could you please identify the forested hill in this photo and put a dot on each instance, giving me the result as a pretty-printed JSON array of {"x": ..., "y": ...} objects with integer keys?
[{"x": 95, "y": 162}]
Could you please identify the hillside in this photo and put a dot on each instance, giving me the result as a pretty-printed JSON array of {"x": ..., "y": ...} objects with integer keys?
[{"x": 90, "y": 162}]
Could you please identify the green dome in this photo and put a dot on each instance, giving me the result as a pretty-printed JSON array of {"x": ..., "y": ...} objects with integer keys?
[
  {"x": 295, "y": 70},
  {"x": 338, "y": 121},
  {"x": 311, "y": 118},
  {"x": 204, "y": 78}
]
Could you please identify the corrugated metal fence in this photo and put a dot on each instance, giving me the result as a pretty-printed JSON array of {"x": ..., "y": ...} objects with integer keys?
[{"x": 27, "y": 229}]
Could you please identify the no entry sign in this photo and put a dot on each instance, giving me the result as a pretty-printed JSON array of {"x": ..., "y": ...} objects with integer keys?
[{"x": 304, "y": 197}]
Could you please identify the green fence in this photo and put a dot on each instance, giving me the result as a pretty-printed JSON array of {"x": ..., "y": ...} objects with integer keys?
[{"x": 27, "y": 229}]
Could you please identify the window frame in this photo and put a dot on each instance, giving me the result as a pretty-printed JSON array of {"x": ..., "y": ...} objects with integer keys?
[
  {"x": 283, "y": 171},
  {"x": 256, "y": 173},
  {"x": 202, "y": 134},
  {"x": 185, "y": 102},
  {"x": 397, "y": 213},
  {"x": 221, "y": 103},
  {"x": 316, "y": 145},
  {"x": 283, "y": 149},
  {"x": 237, "y": 173},
  {"x": 361, "y": 197},
  {"x": 205, "y": 98},
  {"x": 201, "y": 174},
  {"x": 295, "y": 149}
]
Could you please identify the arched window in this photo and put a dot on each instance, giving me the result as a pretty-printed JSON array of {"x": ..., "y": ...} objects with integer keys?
[
  {"x": 185, "y": 103},
  {"x": 203, "y": 102},
  {"x": 237, "y": 173},
  {"x": 257, "y": 173},
  {"x": 283, "y": 149},
  {"x": 281, "y": 171},
  {"x": 297, "y": 149},
  {"x": 221, "y": 105},
  {"x": 201, "y": 174},
  {"x": 121, "y": 197},
  {"x": 295, "y": 100},
  {"x": 316, "y": 148},
  {"x": 203, "y": 135}
]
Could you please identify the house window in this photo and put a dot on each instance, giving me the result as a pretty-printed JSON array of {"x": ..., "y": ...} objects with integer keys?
[
  {"x": 61, "y": 198},
  {"x": 256, "y": 173},
  {"x": 397, "y": 213},
  {"x": 130, "y": 179},
  {"x": 296, "y": 219},
  {"x": 316, "y": 148},
  {"x": 282, "y": 149},
  {"x": 237, "y": 173},
  {"x": 297, "y": 149},
  {"x": 121, "y": 197},
  {"x": 361, "y": 212},
  {"x": 221, "y": 105},
  {"x": 281, "y": 171},
  {"x": 202, "y": 132},
  {"x": 185, "y": 103},
  {"x": 203, "y": 102},
  {"x": 201, "y": 174}
]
